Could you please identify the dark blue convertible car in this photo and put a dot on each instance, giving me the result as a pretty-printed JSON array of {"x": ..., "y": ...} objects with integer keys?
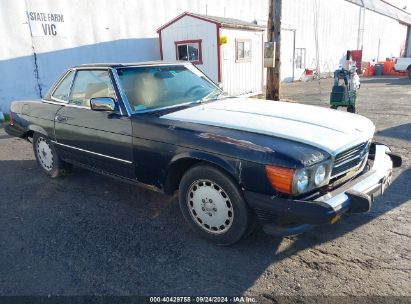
[{"x": 234, "y": 161}]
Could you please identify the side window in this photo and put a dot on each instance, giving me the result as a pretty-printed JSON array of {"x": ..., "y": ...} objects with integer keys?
[
  {"x": 243, "y": 50},
  {"x": 300, "y": 58},
  {"x": 61, "y": 93},
  {"x": 91, "y": 84}
]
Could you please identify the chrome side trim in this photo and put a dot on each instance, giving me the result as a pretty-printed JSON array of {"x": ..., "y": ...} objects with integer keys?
[
  {"x": 65, "y": 104},
  {"x": 94, "y": 153},
  {"x": 53, "y": 102},
  {"x": 58, "y": 100}
]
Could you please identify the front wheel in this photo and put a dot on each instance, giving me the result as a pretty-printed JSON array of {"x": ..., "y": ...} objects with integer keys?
[
  {"x": 47, "y": 157},
  {"x": 409, "y": 73},
  {"x": 213, "y": 205}
]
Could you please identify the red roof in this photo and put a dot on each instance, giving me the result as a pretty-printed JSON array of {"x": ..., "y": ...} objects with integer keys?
[{"x": 220, "y": 21}]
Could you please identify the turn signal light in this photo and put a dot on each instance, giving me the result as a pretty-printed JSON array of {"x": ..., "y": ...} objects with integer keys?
[{"x": 280, "y": 178}]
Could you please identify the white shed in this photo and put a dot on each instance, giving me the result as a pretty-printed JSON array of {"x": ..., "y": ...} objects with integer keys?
[{"x": 229, "y": 51}]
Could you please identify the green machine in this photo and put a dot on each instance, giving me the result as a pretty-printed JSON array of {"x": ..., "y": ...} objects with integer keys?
[{"x": 344, "y": 90}]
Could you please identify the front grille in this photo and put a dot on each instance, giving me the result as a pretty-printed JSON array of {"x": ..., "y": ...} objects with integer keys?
[{"x": 349, "y": 159}]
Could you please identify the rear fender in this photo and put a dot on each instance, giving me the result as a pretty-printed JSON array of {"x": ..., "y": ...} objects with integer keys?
[{"x": 37, "y": 129}]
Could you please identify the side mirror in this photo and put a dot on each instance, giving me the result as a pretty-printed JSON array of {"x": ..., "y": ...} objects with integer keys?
[{"x": 102, "y": 104}]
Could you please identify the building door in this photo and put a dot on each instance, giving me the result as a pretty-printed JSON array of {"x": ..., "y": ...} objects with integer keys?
[{"x": 287, "y": 55}]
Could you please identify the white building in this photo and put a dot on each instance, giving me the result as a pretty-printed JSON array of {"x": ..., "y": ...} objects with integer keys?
[{"x": 39, "y": 39}]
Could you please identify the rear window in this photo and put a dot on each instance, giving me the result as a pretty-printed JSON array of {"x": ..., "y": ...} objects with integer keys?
[{"x": 62, "y": 92}]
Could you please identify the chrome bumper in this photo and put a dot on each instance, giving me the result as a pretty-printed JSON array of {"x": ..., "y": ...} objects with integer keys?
[{"x": 377, "y": 179}]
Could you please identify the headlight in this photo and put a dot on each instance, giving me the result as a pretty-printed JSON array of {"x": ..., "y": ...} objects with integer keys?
[
  {"x": 298, "y": 181},
  {"x": 319, "y": 175},
  {"x": 301, "y": 180}
]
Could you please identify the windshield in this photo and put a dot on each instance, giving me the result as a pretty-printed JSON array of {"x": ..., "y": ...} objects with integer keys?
[{"x": 154, "y": 87}]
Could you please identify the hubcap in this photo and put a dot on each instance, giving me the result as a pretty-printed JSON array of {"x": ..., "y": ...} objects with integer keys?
[
  {"x": 45, "y": 154},
  {"x": 210, "y": 206}
]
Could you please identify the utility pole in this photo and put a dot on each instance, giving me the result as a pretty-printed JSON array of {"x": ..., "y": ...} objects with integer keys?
[{"x": 274, "y": 35}]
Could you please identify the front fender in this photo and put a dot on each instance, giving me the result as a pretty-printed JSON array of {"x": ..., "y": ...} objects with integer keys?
[
  {"x": 182, "y": 162},
  {"x": 231, "y": 166}
]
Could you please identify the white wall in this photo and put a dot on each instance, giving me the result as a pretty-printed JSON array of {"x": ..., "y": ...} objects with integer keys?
[
  {"x": 94, "y": 31},
  {"x": 387, "y": 32},
  {"x": 339, "y": 26},
  {"x": 125, "y": 31},
  {"x": 337, "y": 30},
  {"x": 189, "y": 28},
  {"x": 16, "y": 60},
  {"x": 241, "y": 77}
]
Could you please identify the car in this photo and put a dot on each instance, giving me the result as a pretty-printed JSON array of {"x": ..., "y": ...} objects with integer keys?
[
  {"x": 237, "y": 163},
  {"x": 403, "y": 64}
]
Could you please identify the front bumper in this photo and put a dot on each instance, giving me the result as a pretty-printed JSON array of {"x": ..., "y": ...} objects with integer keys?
[{"x": 354, "y": 196}]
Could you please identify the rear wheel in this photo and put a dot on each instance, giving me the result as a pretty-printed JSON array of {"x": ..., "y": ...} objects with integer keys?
[
  {"x": 47, "y": 157},
  {"x": 213, "y": 205}
]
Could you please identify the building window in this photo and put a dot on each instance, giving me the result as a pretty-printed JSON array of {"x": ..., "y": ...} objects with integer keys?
[
  {"x": 300, "y": 58},
  {"x": 243, "y": 50},
  {"x": 189, "y": 50}
]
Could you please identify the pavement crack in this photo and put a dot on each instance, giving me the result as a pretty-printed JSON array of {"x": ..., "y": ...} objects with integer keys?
[{"x": 400, "y": 234}]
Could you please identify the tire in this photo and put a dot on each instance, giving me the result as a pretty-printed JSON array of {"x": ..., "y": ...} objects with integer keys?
[
  {"x": 47, "y": 157},
  {"x": 334, "y": 107},
  {"x": 213, "y": 205},
  {"x": 351, "y": 109},
  {"x": 409, "y": 73}
]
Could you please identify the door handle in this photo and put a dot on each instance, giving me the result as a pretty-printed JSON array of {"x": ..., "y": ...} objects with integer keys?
[{"x": 60, "y": 118}]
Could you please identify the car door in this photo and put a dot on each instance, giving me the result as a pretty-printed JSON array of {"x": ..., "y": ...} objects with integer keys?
[{"x": 98, "y": 139}]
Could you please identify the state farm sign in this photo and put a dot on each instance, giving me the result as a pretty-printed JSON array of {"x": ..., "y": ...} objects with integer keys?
[{"x": 46, "y": 24}]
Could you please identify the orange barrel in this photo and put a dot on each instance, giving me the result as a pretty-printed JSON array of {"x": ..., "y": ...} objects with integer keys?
[{"x": 367, "y": 69}]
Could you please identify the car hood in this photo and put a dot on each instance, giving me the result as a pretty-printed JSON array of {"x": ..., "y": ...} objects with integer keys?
[{"x": 330, "y": 130}]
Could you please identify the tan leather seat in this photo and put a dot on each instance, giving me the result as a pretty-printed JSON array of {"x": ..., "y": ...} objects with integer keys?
[
  {"x": 94, "y": 90},
  {"x": 145, "y": 90}
]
